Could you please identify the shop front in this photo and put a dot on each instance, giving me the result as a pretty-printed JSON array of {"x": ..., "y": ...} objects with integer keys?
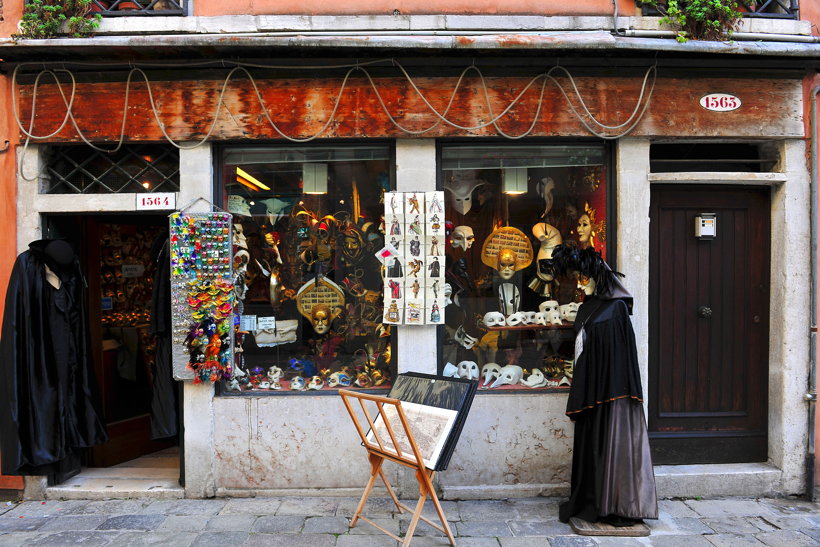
[{"x": 467, "y": 213}]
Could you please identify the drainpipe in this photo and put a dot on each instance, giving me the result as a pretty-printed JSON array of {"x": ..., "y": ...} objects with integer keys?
[{"x": 811, "y": 395}]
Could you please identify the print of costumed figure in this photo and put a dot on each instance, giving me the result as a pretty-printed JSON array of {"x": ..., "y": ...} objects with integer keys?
[
  {"x": 395, "y": 269},
  {"x": 434, "y": 267}
]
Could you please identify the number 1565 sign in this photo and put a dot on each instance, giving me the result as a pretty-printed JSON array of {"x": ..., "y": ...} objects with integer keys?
[
  {"x": 720, "y": 102},
  {"x": 158, "y": 200}
]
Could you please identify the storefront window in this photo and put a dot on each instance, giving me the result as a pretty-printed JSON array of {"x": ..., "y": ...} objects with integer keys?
[
  {"x": 307, "y": 225},
  {"x": 511, "y": 321}
]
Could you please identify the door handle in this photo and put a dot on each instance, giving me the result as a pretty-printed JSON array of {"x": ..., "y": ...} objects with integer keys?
[{"x": 705, "y": 312}]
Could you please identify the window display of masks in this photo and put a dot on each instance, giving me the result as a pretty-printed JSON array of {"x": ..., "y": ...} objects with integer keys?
[
  {"x": 307, "y": 224},
  {"x": 509, "y": 320}
]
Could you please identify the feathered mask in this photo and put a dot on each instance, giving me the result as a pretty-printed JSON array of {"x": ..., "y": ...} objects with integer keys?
[{"x": 569, "y": 259}]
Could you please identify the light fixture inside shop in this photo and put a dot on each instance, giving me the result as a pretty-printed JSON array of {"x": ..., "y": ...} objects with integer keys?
[
  {"x": 314, "y": 178},
  {"x": 515, "y": 180},
  {"x": 248, "y": 178}
]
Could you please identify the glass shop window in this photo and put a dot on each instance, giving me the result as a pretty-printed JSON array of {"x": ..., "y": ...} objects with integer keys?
[
  {"x": 307, "y": 225},
  {"x": 510, "y": 322}
]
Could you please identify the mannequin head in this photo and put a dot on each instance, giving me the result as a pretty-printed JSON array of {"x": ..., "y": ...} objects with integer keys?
[
  {"x": 584, "y": 230},
  {"x": 506, "y": 264},
  {"x": 586, "y": 284}
]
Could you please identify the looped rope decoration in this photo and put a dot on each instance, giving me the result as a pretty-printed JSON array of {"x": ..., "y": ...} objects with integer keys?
[{"x": 582, "y": 113}]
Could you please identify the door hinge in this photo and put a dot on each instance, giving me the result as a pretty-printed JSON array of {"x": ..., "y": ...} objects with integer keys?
[{"x": 810, "y": 397}]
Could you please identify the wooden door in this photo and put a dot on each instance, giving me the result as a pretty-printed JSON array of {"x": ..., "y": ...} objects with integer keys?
[{"x": 709, "y": 325}]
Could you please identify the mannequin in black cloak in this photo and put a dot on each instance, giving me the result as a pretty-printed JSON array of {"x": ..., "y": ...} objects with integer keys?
[
  {"x": 49, "y": 399},
  {"x": 612, "y": 477}
]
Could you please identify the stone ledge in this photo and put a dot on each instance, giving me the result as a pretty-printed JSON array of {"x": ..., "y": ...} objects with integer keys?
[{"x": 714, "y": 480}]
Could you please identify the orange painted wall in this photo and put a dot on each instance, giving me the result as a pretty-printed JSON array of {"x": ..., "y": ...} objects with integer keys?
[
  {"x": 412, "y": 7},
  {"x": 12, "y": 11},
  {"x": 8, "y": 212}
]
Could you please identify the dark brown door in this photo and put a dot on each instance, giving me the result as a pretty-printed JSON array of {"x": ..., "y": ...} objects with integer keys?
[{"x": 709, "y": 325}]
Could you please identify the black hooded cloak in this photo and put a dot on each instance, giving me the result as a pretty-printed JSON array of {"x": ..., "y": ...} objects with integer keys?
[
  {"x": 612, "y": 476},
  {"x": 49, "y": 399}
]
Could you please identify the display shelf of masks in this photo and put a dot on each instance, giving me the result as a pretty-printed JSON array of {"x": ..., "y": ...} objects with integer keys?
[
  {"x": 509, "y": 320},
  {"x": 309, "y": 287}
]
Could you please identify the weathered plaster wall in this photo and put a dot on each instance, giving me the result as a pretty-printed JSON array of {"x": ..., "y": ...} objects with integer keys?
[{"x": 406, "y": 7}]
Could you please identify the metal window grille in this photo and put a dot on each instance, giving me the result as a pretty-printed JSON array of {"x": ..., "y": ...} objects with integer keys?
[
  {"x": 140, "y": 168},
  {"x": 769, "y": 9},
  {"x": 119, "y": 8}
]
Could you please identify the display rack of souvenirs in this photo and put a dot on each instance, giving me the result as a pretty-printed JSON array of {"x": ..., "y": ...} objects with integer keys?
[{"x": 202, "y": 292}]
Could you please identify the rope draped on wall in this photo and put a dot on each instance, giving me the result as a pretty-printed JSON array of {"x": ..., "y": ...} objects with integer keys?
[{"x": 578, "y": 108}]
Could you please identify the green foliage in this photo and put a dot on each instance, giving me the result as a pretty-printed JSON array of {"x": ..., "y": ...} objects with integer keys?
[
  {"x": 50, "y": 18},
  {"x": 700, "y": 19}
]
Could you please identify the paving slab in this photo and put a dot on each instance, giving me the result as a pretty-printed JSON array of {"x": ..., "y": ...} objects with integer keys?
[
  {"x": 18, "y": 538},
  {"x": 732, "y": 525},
  {"x": 572, "y": 541},
  {"x": 166, "y": 539},
  {"x": 365, "y": 541},
  {"x": 220, "y": 539},
  {"x": 290, "y": 540},
  {"x": 375, "y": 507},
  {"x": 524, "y": 542},
  {"x": 230, "y": 523},
  {"x": 21, "y": 524},
  {"x": 535, "y": 509},
  {"x": 787, "y": 538},
  {"x": 84, "y": 538},
  {"x": 484, "y": 528},
  {"x": 730, "y": 507},
  {"x": 676, "y": 508},
  {"x": 251, "y": 506},
  {"x": 112, "y": 507},
  {"x": 276, "y": 524},
  {"x": 132, "y": 522},
  {"x": 489, "y": 510},
  {"x": 314, "y": 506},
  {"x": 186, "y": 507},
  {"x": 546, "y": 528},
  {"x": 43, "y": 508},
  {"x": 363, "y": 528},
  {"x": 622, "y": 541},
  {"x": 326, "y": 525},
  {"x": 733, "y": 540},
  {"x": 791, "y": 506},
  {"x": 180, "y": 523},
  {"x": 73, "y": 522},
  {"x": 679, "y": 541}
]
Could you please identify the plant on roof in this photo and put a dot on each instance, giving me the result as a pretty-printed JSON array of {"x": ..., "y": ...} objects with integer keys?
[
  {"x": 50, "y": 18},
  {"x": 700, "y": 19}
]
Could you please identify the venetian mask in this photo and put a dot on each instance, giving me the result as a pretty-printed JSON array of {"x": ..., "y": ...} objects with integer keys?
[
  {"x": 297, "y": 383},
  {"x": 468, "y": 369},
  {"x": 506, "y": 264},
  {"x": 541, "y": 318},
  {"x": 548, "y": 306},
  {"x": 490, "y": 372},
  {"x": 465, "y": 339},
  {"x": 316, "y": 383},
  {"x": 509, "y": 375},
  {"x": 494, "y": 319},
  {"x": 338, "y": 379},
  {"x": 586, "y": 284},
  {"x": 569, "y": 311},
  {"x": 462, "y": 237},
  {"x": 320, "y": 317},
  {"x": 460, "y": 186},
  {"x": 517, "y": 318}
]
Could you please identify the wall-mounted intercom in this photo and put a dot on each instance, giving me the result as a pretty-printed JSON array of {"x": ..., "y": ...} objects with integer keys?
[{"x": 706, "y": 226}]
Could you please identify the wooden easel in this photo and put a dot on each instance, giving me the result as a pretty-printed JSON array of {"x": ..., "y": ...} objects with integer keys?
[{"x": 373, "y": 406}]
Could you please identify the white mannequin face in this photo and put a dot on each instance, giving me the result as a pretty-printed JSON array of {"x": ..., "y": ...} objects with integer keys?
[{"x": 587, "y": 284}]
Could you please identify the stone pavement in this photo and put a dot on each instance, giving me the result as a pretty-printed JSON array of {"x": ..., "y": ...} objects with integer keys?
[{"x": 320, "y": 522}]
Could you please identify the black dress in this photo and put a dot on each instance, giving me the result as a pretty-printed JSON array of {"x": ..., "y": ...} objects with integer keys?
[
  {"x": 612, "y": 476},
  {"x": 48, "y": 400}
]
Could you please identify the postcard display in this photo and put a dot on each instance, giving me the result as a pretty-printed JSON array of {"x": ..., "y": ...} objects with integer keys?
[
  {"x": 414, "y": 260},
  {"x": 202, "y": 295}
]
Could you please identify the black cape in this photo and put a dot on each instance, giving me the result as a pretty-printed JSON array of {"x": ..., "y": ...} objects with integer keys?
[
  {"x": 49, "y": 399},
  {"x": 612, "y": 476},
  {"x": 165, "y": 390}
]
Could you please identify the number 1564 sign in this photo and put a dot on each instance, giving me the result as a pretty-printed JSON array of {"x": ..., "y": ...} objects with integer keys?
[{"x": 158, "y": 200}]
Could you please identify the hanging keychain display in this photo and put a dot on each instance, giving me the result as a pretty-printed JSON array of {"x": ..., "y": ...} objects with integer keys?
[{"x": 202, "y": 295}]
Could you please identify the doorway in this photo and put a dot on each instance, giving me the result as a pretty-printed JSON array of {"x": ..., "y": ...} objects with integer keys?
[
  {"x": 117, "y": 257},
  {"x": 709, "y": 325}
]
